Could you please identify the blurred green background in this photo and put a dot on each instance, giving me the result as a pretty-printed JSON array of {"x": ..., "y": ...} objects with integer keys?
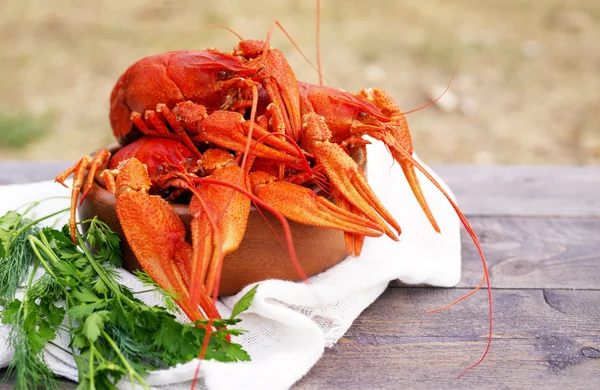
[{"x": 527, "y": 90}]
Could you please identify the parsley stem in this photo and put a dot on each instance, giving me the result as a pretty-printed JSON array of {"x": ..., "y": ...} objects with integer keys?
[
  {"x": 37, "y": 244},
  {"x": 101, "y": 273},
  {"x": 33, "y": 205},
  {"x": 91, "y": 367},
  {"x": 145, "y": 291},
  {"x": 29, "y": 282},
  {"x": 35, "y": 222},
  {"x": 23, "y": 306},
  {"x": 37, "y": 202},
  {"x": 133, "y": 375},
  {"x": 99, "y": 270}
]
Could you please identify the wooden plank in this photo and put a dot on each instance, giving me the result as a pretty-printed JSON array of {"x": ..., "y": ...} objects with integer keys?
[
  {"x": 533, "y": 253},
  {"x": 546, "y": 338},
  {"x": 16, "y": 172},
  {"x": 481, "y": 190},
  {"x": 542, "y": 339},
  {"x": 525, "y": 190}
]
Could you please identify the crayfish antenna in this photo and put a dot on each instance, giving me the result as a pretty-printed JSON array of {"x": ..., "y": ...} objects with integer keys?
[
  {"x": 471, "y": 232},
  {"x": 250, "y": 130},
  {"x": 215, "y": 25},
  {"x": 441, "y": 95},
  {"x": 202, "y": 352},
  {"x": 308, "y": 61},
  {"x": 277, "y": 214},
  {"x": 318, "y": 42},
  {"x": 202, "y": 234}
]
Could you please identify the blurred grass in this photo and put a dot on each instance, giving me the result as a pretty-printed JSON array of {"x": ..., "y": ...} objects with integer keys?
[
  {"x": 527, "y": 90},
  {"x": 19, "y": 130}
]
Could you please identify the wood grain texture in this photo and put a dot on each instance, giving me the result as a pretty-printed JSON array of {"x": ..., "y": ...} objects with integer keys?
[
  {"x": 525, "y": 190},
  {"x": 17, "y": 172},
  {"x": 558, "y": 253},
  {"x": 481, "y": 190},
  {"x": 542, "y": 339}
]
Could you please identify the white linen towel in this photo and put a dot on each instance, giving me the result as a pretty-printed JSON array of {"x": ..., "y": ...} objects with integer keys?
[{"x": 289, "y": 324}]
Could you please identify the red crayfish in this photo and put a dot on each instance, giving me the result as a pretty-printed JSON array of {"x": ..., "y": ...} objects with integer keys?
[
  {"x": 231, "y": 128},
  {"x": 183, "y": 107}
]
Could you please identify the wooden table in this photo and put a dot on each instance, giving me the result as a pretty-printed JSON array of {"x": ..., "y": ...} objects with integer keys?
[{"x": 540, "y": 230}]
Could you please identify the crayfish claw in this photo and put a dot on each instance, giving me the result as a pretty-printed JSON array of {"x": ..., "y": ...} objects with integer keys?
[
  {"x": 345, "y": 175},
  {"x": 397, "y": 138},
  {"x": 302, "y": 205}
]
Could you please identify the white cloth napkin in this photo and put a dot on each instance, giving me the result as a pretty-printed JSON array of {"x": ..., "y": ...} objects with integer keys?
[{"x": 290, "y": 324}]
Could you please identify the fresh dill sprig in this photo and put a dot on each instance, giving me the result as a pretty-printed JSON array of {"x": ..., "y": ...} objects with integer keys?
[
  {"x": 113, "y": 334},
  {"x": 168, "y": 297},
  {"x": 33, "y": 323},
  {"x": 16, "y": 255},
  {"x": 16, "y": 261},
  {"x": 28, "y": 365}
]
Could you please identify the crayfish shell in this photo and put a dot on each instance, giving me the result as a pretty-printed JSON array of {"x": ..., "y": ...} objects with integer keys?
[{"x": 261, "y": 255}]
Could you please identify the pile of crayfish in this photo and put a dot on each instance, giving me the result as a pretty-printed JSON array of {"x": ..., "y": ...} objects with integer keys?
[{"x": 222, "y": 130}]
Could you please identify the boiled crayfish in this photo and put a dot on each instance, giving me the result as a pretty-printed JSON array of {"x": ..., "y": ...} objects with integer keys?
[{"x": 225, "y": 129}]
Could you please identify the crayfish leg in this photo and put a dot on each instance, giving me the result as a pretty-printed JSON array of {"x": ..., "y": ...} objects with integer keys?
[
  {"x": 230, "y": 210},
  {"x": 398, "y": 136},
  {"x": 229, "y": 130},
  {"x": 278, "y": 80},
  {"x": 354, "y": 241},
  {"x": 85, "y": 164},
  {"x": 345, "y": 174},
  {"x": 155, "y": 122},
  {"x": 202, "y": 242}
]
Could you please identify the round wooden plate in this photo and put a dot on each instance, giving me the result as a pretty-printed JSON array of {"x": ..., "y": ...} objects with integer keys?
[{"x": 261, "y": 255}]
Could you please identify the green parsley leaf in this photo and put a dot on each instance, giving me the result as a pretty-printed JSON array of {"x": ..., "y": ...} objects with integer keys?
[
  {"x": 235, "y": 352},
  {"x": 84, "y": 294},
  {"x": 113, "y": 333},
  {"x": 94, "y": 324},
  {"x": 5, "y": 242},
  {"x": 11, "y": 312},
  {"x": 100, "y": 286},
  {"x": 244, "y": 303},
  {"x": 10, "y": 220},
  {"x": 80, "y": 311},
  {"x": 80, "y": 341}
]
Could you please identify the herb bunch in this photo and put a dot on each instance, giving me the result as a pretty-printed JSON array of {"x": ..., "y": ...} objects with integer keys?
[
  {"x": 112, "y": 333},
  {"x": 16, "y": 255}
]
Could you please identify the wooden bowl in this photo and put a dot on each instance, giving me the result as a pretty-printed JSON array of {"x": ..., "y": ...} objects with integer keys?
[{"x": 260, "y": 256}]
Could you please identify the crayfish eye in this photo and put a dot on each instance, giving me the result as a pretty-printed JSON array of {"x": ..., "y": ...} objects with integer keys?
[
  {"x": 362, "y": 115},
  {"x": 223, "y": 75}
]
